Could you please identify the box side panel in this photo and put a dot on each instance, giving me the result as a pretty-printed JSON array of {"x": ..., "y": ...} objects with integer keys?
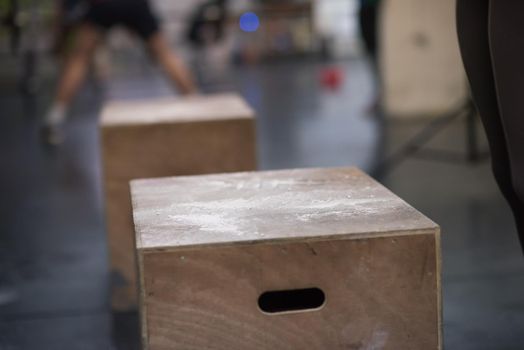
[
  {"x": 141, "y": 301},
  {"x": 381, "y": 293},
  {"x": 438, "y": 254},
  {"x": 156, "y": 151},
  {"x": 121, "y": 242},
  {"x": 146, "y": 151}
]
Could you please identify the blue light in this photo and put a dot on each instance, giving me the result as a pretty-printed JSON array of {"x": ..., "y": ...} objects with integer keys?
[{"x": 249, "y": 22}]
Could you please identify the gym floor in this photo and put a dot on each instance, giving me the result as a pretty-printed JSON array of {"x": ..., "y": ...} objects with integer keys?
[{"x": 54, "y": 279}]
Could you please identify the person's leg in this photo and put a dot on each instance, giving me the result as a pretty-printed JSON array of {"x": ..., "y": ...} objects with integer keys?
[
  {"x": 172, "y": 64},
  {"x": 138, "y": 16},
  {"x": 71, "y": 78},
  {"x": 77, "y": 63},
  {"x": 472, "y": 27},
  {"x": 368, "y": 28},
  {"x": 506, "y": 30}
]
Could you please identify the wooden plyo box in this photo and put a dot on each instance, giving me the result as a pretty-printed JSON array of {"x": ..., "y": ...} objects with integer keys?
[
  {"x": 165, "y": 137},
  {"x": 294, "y": 259}
]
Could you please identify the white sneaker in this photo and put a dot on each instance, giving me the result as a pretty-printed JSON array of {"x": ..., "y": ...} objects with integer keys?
[{"x": 53, "y": 134}]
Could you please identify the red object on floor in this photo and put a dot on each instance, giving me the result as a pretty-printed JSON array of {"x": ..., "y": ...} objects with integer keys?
[{"x": 331, "y": 78}]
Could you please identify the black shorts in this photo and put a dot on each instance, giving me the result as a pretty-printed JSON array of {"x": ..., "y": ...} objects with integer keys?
[{"x": 136, "y": 15}]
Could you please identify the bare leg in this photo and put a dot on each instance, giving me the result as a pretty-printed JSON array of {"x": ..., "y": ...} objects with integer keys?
[
  {"x": 77, "y": 64},
  {"x": 70, "y": 80},
  {"x": 172, "y": 64}
]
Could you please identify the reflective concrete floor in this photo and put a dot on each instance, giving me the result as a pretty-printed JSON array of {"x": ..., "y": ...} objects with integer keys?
[{"x": 53, "y": 257}]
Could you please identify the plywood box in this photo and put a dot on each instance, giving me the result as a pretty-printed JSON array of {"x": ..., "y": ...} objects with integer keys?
[
  {"x": 299, "y": 259},
  {"x": 165, "y": 137}
]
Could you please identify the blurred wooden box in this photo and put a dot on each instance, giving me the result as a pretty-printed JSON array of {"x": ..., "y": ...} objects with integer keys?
[
  {"x": 297, "y": 259},
  {"x": 165, "y": 137}
]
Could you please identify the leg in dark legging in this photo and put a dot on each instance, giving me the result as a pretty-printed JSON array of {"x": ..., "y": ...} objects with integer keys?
[
  {"x": 506, "y": 33},
  {"x": 368, "y": 14},
  {"x": 472, "y": 26}
]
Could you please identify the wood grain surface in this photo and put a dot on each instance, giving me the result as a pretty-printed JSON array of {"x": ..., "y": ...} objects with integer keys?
[
  {"x": 187, "y": 109},
  {"x": 176, "y": 212}
]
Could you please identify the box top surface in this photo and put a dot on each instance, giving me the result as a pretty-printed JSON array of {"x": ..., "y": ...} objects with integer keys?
[
  {"x": 187, "y": 211},
  {"x": 173, "y": 110}
]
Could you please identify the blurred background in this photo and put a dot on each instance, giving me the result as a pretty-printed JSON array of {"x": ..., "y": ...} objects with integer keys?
[{"x": 373, "y": 84}]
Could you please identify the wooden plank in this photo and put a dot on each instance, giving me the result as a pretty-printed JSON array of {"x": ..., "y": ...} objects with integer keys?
[{"x": 165, "y": 137}]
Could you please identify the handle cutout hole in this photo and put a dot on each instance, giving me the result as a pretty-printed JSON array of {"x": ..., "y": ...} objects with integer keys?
[{"x": 291, "y": 300}]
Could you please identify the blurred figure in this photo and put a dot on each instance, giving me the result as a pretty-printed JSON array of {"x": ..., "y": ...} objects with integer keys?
[
  {"x": 205, "y": 33},
  {"x": 369, "y": 19},
  {"x": 207, "y": 24},
  {"x": 100, "y": 16},
  {"x": 68, "y": 16}
]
